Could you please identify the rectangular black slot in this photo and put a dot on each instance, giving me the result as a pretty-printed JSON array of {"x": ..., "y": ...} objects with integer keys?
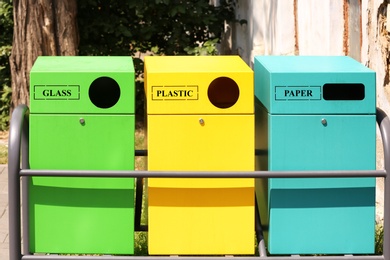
[{"x": 343, "y": 91}]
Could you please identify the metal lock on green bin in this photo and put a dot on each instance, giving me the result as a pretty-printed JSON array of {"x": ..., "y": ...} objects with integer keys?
[
  {"x": 82, "y": 118},
  {"x": 316, "y": 113}
]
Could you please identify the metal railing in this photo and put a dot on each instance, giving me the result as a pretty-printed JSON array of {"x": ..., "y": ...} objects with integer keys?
[{"x": 19, "y": 172}]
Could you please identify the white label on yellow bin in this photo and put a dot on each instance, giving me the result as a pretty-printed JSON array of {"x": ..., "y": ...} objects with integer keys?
[{"x": 181, "y": 92}]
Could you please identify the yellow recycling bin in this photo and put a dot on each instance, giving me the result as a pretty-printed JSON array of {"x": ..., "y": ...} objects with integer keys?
[{"x": 200, "y": 117}]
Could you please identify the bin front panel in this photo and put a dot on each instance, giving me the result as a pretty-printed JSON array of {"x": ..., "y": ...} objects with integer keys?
[
  {"x": 221, "y": 210},
  {"x": 324, "y": 146},
  {"x": 181, "y": 85},
  {"x": 314, "y": 85},
  {"x": 102, "y": 85},
  {"x": 346, "y": 205},
  {"x": 52, "y": 137},
  {"x": 82, "y": 215},
  {"x": 66, "y": 217},
  {"x": 201, "y": 221},
  {"x": 181, "y": 142}
]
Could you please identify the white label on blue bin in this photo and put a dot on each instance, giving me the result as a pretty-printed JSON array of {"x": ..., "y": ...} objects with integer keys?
[{"x": 290, "y": 93}]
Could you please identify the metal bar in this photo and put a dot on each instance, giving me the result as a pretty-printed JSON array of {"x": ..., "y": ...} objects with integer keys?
[
  {"x": 259, "y": 232},
  {"x": 15, "y": 133},
  {"x": 141, "y": 153},
  {"x": 205, "y": 174},
  {"x": 25, "y": 215},
  {"x": 145, "y": 152},
  {"x": 261, "y": 152},
  {"x": 384, "y": 126},
  {"x": 56, "y": 257},
  {"x": 25, "y": 185},
  {"x": 14, "y": 191},
  {"x": 138, "y": 204},
  {"x": 143, "y": 228}
]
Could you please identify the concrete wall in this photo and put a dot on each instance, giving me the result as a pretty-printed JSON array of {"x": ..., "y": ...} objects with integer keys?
[
  {"x": 304, "y": 27},
  {"x": 357, "y": 28}
]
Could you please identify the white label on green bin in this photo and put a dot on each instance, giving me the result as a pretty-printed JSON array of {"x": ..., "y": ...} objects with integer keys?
[
  {"x": 181, "y": 92},
  {"x": 56, "y": 92},
  {"x": 288, "y": 93}
]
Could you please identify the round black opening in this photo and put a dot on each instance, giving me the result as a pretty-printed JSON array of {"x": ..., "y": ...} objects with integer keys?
[
  {"x": 104, "y": 92},
  {"x": 223, "y": 92}
]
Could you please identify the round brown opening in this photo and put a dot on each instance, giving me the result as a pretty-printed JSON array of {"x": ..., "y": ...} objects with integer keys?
[{"x": 223, "y": 92}]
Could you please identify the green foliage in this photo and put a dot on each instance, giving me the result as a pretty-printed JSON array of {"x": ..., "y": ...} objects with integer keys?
[
  {"x": 6, "y": 29},
  {"x": 5, "y": 100},
  {"x": 141, "y": 243},
  {"x": 130, "y": 27},
  {"x": 206, "y": 48},
  {"x": 6, "y": 22},
  {"x": 379, "y": 239},
  {"x": 161, "y": 27}
]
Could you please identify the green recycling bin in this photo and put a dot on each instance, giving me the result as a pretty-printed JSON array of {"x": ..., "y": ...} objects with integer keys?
[{"x": 82, "y": 118}]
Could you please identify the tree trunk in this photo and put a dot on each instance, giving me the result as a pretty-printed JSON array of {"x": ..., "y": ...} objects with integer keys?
[{"x": 41, "y": 28}]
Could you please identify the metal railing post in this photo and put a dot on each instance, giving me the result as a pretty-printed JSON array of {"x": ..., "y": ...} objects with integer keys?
[
  {"x": 18, "y": 142},
  {"x": 14, "y": 147},
  {"x": 384, "y": 126},
  {"x": 25, "y": 185}
]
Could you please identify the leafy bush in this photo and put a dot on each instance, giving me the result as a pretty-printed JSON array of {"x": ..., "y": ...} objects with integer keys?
[
  {"x": 5, "y": 100},
  {"x": 208, "y": 47},
  {"x": 379, "y": 239},
  {"x": 6, "y": 29},
  {"x": 162, "y": 26},
  {"x": 159, "y": 27},
  {"x": 133, "y": 28}
]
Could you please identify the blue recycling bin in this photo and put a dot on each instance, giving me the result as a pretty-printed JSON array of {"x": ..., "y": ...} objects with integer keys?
[{"x": 316, "y": 113}]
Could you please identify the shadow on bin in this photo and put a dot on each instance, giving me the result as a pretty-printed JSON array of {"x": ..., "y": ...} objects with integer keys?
[{"x": 82, "y": 118}]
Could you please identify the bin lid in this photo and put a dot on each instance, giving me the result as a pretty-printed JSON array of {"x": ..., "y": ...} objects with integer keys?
[
  {"x": 82, "y": 84},
  {"x": 198, "y": 85},
  {"x": 314, "y": 85}
]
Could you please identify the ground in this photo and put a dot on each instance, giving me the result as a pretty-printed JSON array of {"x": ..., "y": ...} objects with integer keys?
[{"x": 3, "y": 147}]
